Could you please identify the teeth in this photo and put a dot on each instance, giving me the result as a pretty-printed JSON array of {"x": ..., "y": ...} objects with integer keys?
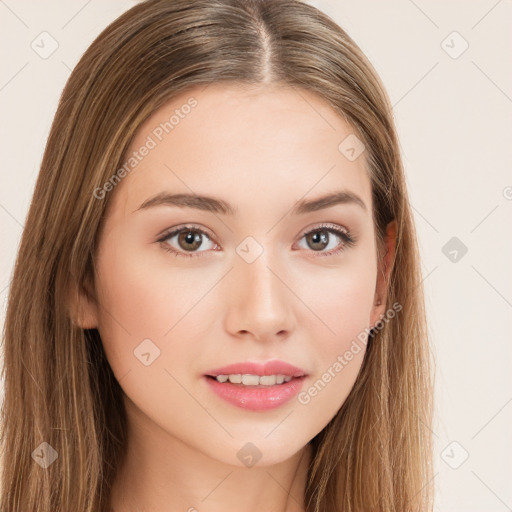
[
  {"x": 267, "y": 380},
  {"x": 254, "y": 380},
  {"x": 249, "y": 380}
]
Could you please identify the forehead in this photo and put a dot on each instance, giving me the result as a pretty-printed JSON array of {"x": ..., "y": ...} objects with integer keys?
[{"x": 245, "y": 144}]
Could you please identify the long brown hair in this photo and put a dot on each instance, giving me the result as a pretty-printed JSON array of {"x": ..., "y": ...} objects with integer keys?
[{"x": 375, "y": 454}]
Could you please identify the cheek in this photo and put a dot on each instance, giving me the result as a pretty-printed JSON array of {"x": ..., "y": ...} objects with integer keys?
[
  {"x": 143, "y": 298},
  {"x": 147, "y": 317},
  {"x": 141, "y": 306},
  {"x": 340, "y": 300},
  {"x": 342, "y": 303}
]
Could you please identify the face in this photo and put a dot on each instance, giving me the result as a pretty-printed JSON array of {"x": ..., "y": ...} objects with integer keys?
[{"x": 185, "y": 288}]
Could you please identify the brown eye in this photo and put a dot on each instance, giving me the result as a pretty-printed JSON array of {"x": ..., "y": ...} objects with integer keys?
[
  {"x": 189, "y": 240},
  {"x": 320, "y": 238}
]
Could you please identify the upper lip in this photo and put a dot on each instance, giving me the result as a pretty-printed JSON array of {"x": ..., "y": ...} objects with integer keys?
[{"x": 274, "y": 367}]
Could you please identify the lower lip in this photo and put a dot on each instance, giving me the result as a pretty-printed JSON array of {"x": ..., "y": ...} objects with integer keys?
[{"x": 256, "y": 398}]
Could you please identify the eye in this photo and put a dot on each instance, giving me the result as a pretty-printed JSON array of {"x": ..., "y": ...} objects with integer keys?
[
  {"x": 189, "y": 238},
  {"x": 320, "y": 238}
]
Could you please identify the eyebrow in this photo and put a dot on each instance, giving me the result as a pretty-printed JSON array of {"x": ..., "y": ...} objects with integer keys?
[{"x": 215, "y": 205}]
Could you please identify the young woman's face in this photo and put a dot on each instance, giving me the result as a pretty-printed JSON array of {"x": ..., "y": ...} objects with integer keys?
[{"x": 254, "y": 276}]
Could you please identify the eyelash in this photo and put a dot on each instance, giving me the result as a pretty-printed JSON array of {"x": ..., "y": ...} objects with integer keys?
[{"x": 348, "y": 239}]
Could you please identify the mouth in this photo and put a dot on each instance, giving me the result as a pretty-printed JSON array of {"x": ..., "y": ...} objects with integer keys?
[
  {"x": 253, "y": 381},
  {"x": 269, "y": 373},
  {"x": 256, "y": 386}
]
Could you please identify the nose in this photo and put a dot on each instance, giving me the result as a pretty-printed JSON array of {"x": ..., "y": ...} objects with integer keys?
[{"x": 260, "y": 303}]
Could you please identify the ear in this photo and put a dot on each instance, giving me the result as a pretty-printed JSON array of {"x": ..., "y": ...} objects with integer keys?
[
  {"x": 83, "y": 307},
  {"x": 383, "y": 274}
]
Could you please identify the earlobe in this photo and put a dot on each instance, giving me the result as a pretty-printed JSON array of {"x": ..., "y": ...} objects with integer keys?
[{"x": 82, "y": 308}]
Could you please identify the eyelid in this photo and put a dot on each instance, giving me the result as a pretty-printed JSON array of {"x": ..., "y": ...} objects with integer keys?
[
  {"x": 325, "y": 225},
  {"x": 180, "y": 227}
]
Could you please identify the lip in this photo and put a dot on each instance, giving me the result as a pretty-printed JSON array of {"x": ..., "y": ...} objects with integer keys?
[
  {"x": 273, "y": 367},
  {"x": 257, "y": 398}
]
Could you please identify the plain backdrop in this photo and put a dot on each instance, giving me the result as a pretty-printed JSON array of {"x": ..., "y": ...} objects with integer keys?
[{"x": 446, "y": 66}]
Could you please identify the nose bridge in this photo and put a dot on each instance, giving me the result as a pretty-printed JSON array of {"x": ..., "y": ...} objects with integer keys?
[
  {"x": 260, "y": 301},
  {"x": 258, "y": 279}
]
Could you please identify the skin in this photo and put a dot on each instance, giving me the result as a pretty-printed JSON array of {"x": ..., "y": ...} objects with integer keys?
[{"x": 262, "y": 150}]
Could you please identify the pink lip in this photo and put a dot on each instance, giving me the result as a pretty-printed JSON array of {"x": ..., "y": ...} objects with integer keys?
[
  {"x": 274, "y": 367},
  {"x": 257, "y": 398}
]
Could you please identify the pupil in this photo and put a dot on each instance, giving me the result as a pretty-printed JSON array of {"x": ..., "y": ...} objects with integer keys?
[
  {"x": 189, "y": 238},
  {"x": 320, "y": 237}
]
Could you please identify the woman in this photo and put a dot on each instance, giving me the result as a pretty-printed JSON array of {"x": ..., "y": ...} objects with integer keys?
[{"x": 217, "y": 300}]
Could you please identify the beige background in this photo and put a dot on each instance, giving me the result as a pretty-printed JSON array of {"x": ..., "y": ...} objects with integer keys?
[{"x": 453, "y": 110}]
